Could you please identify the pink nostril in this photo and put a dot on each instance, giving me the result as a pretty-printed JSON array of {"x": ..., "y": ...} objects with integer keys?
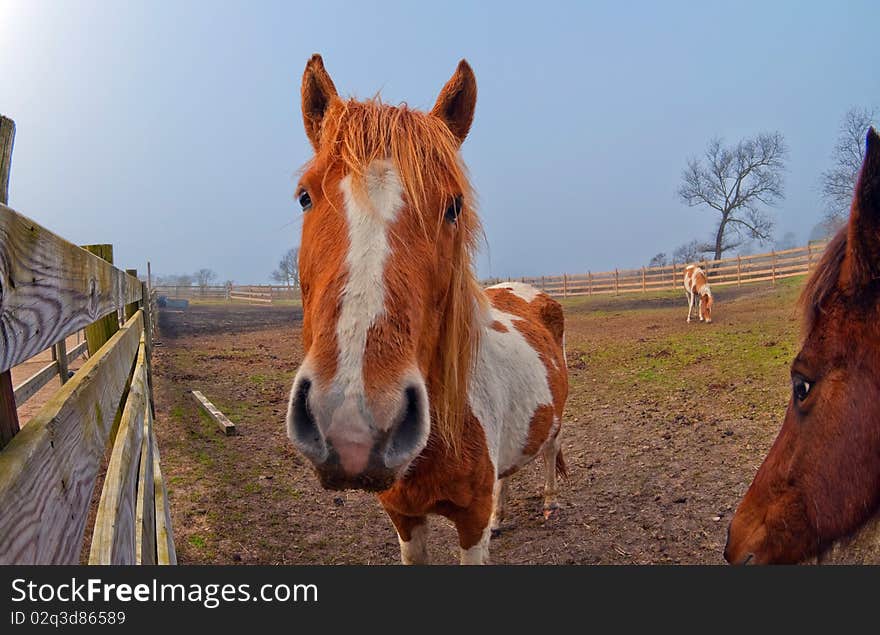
[{"x": 353, "y": 457}]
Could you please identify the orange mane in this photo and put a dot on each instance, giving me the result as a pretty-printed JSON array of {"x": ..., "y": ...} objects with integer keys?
[{"x": 426, "y": 156}]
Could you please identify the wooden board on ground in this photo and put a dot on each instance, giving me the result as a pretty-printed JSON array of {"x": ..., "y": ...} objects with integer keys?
[{"x": 225, "y": 424}]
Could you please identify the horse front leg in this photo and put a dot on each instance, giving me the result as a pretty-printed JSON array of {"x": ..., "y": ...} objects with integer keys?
[
  {"x": 474, "y": 529},
  {"x": 412, "y": 533},
  {"x": 690, "y": 297},
  {"x": 499, "y": 505}
]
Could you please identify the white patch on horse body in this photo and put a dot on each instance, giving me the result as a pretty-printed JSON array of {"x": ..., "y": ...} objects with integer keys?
[
  {"x": 508, "y": 385},
  {"x": 415, "y": 550},
  {"x": 521, "y": 290},
  {"x": 369, "y": 214}
]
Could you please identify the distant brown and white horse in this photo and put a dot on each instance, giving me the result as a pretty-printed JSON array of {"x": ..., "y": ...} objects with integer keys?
[
  {"x": 696, "y": 286},
  {"x": 820, "y": 481},
  {"x": 416, "y": 383}
]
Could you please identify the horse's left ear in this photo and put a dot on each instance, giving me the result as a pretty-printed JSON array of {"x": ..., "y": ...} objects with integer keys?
[
  {"x": 863, "y": 232},
  {"x": 457, "y": 101}
]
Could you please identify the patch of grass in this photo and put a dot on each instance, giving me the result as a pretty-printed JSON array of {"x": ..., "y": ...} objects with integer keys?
[{"x": 198, "y": 541}]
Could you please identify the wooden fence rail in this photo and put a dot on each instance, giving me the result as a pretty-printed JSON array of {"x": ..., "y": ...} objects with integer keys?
[
  {"x": 49, "y": 469},
  {"x": 738, "y": 270}
]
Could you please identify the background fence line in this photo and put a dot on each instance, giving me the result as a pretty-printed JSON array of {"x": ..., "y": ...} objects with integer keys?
[{"x": 738, "y": 270}]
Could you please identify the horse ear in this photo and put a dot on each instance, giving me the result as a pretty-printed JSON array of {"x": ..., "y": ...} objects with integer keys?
[
  {"x": 457, "y": 101},
  {"x": 317, "y": 93},
  {"x": 863, "y": 232}
]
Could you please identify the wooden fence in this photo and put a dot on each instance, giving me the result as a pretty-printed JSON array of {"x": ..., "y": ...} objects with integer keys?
[
  {"x": 738, "y": 270},
  {"x": 50, "y": 467},
  {"x": 253, "y": 293}
]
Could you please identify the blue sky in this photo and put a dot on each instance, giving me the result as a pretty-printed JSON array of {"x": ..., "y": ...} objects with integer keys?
[{"x": 173, "y": 129}]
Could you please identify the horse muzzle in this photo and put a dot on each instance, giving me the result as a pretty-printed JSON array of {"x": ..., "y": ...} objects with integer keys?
[{"x": 345, "y": 443}]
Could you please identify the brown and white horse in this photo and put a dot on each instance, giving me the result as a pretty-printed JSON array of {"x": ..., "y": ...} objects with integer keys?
[
  {"x": 820, "y": 482},
  {"x": 696, "y": 286},
  {"x": 416, "y": 383}
]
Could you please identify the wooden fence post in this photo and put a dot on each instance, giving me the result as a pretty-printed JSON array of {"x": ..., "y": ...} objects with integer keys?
[
  {"x": 590, "y": 280},
  {"x": 673, "y": 274},
  {"x": 542, "y": 283},
  {"x": 131, "y": 309},
  {"x": 774, "y": 266},
  {"x": 61, "y": 357},
  {"x": 809, "y": 256},
  {"x": 564, "y": 285},
  {"x": 643, "y": 280},
  {"x": 616, "y": 282},
  {"x": 102, "y": 330},
  {"x": 8, "y": 413},
  {"x": 739, "y": 271}
]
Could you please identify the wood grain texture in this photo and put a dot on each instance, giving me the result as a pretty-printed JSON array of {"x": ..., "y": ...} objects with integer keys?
[
  {"x": 212, "y": 411},
  {"x": 145, "y": 518},
  {"x": 50, "y": 288},
  {"x": 165, "y": 552},
  {"x": 48, "y": 470},
  {"x": 114, "y": 539},
  {"x": 8, "y": 412},
  {"x": 103, "y": 328}
]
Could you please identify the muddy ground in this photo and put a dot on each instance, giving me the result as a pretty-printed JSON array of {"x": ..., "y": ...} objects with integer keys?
[{"x": 666, "y": 424}]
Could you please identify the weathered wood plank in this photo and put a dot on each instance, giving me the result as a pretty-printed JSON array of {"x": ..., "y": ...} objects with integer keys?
[
  {"x": 165, "y": 552},
  {"x": 102, "y": 329},
  {"x": 114, "y": 539},
  {"x": 8, "y": 412},
  {"x": 77, "y": 350},
  {"x": 48, "y": 470},
  {"x": 31, "y": 386},
  {"x": 212, "y": 411},
  {"x": 145, "y": 520},
  {"x": 50, "y": 288}
]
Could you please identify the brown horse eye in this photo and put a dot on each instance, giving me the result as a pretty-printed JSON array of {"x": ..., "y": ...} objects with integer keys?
[
  {"x": 305, "y": 201},
  {"x": 454, "y": 209},
  {"x": 800, "y": 387}
]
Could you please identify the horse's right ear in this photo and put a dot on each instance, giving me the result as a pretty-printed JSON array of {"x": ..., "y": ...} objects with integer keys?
[
  {"x": 457, "y": 101},
  {"x": 317, "y": 93},
  {"x": 862, "y": 265}
]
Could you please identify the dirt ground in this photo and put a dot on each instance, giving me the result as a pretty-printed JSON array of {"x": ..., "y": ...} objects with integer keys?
[{"x": 666, "y": 425}]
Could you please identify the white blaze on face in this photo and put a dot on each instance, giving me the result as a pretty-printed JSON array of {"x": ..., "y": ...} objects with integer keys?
[
  {"x": 369, "y": 214},
  {"x": 508, "y": 385}
]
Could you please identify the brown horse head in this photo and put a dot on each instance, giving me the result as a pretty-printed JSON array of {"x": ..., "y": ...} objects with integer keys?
[
  {"x": 821, "y": 480},
  {"x": 388, "y": 291}
]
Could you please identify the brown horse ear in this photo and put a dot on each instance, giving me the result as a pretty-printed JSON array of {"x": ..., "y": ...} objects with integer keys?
[
  {"x": 457, "y": 101},
  {"x": 863, "y": 232},
  {"x": 317, "y": 93}
]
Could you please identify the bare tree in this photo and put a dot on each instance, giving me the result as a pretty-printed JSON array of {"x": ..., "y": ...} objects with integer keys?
[
  {"x": 288, "y": 269},
  {"x": 689, "y": 252},
  {"x": 659, "y": 260},
  {"x": 204, "y": 276},
  {"x": 838, "y": 183},
  {"x": 738, "y": 182},
  {"x": 174, "y": 280}
]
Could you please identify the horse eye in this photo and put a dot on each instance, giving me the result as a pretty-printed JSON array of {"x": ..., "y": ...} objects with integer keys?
[
  {"x": 800, "y": 387},
  {"x": 305, "y": 201},
  {"x": 454, "y": 209}
]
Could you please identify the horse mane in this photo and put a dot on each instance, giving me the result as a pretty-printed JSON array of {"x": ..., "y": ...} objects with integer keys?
[
  {"x": 426, "y": 156},
  {"x": 825, "y": 279}
]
